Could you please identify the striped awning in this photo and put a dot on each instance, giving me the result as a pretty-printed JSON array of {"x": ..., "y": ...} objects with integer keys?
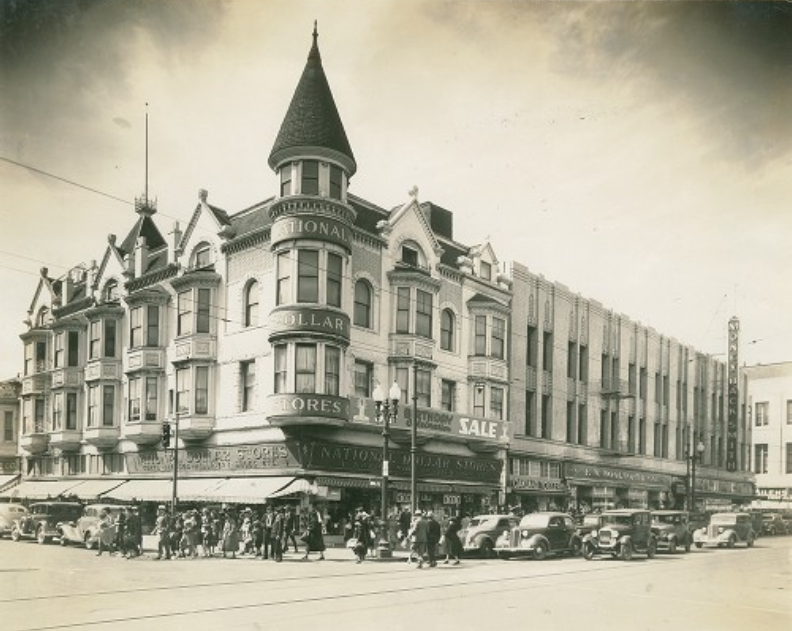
[
  {"x": 40, "y": 489},
  {"x": 298, "y": 485},
  {"x": 7, "y": 481}
]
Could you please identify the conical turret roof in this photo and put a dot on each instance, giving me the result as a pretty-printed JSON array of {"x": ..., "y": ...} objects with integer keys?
[{"x": 312, "y": 124}]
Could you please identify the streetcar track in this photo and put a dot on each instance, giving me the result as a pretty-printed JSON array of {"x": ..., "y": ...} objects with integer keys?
[{"x": 497, "y": 581}]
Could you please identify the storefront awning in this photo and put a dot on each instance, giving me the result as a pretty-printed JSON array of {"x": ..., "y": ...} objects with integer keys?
[
  {"x": 250, "y": 490},
  {"x": 40, "y": 489},
  {"x": 92, "y": 489},
  {"x": 143, "y": 490},
  {"x": 7, "y": 481},
  {"x": 298, "y": 485}
]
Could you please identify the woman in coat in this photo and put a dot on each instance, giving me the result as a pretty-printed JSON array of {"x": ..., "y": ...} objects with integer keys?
[
  {"x": 313, "y": 539},
  {"x": 230, "y": 535},
  {"x": 362, "y": 533},
  {"x": 453, "y": 545}
]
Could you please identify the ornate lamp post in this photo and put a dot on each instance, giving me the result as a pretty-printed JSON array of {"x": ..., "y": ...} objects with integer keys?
[
  {"x": 692, "y": 459},
  {"x": 385, "y": 411}
]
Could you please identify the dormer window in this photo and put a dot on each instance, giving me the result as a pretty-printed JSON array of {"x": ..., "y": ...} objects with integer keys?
[
  {"x": 485, "y": 270},
  {"x": 409, "y": 256},
  {"x": 111, "y": 291},
  {"x": 202, "y": 256}
]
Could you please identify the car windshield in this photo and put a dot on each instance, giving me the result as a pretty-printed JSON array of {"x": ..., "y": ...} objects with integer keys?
[
  {"x": 66, "y": 512},
  {"x": 591, "y": 520},
  {"x": 534, "y": 521},
  {"x": 617, "y": 519},
  {"x": 723, "y": 519},
  {"x": 667, "y": 519},
  {"x": 477, "y": 522}
]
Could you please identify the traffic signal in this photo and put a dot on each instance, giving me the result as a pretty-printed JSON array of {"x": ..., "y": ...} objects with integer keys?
[{"x": 166, "y": 434}]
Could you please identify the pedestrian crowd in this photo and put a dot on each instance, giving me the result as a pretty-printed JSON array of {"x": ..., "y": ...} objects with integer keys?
[{"x": 231, "y": 533}]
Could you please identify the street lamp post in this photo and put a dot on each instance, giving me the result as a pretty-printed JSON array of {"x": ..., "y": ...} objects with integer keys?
[
  {"x": 692, "y": 459},
  {"x": 385, "y": 410}
]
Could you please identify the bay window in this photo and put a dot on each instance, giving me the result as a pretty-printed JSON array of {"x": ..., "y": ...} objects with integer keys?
[
  {"x": 308, "y": 276},
  {"x": 102, "y": 339},
  {"x": 192, "y": 390},
  {"x": 403, "y": 310},
  {"x": 480, "y": 345},
  {"x": 307, "y": 368},
  {"x": 101, "y": 405},
  {"x": 423, "y": 313},
  {"x": 319, "y": 275},
  {"x": 143, "y": 398},
  {"x": 57, "y": 411},
  {"x": 496, "y": 403},
  {"x": 310, "y": 178},
  {"x": 334, "y": 271},
  {"x": 498, "y": 340},
  {"x": 194, "y": 311},
  {"x": 283, "y": 289},
  {"x": 71, "y": 410}
]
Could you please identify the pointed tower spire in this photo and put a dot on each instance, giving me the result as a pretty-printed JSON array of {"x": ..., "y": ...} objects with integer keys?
[{"x": 312, "y": 124}]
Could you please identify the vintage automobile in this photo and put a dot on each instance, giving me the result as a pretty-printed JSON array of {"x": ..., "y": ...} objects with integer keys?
[
  {"x": 672, "y": 529},
  {"x": 86, "y": 528},
  {"x": 483, "y": 531},
  {"x": 623, "y": 532},
  {"x": 726, "y": 529},
  {"x": 773, "y": 524},
  {"x": 9, "y": 513},
  {"x": 41, "y": 520},
  {"x": 588, "y": 524},
  {"x": 540, "y": 534}
]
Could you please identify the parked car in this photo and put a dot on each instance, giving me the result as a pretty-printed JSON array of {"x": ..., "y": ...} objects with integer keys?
[
  {"x": 85, "y": 529},
  {"x": 41, "y": 520},
  {"x": 726, "y": 529},
  {"x": 540, "y": 534},
  {"x": 623, "y": 532},
  {"x": 672, "y": 529},
  {"x": 483, "y": 531},
  {"x": 589, "y": 523},
  {"x": 9, "y": 513},
  {"x": 773, "y": 524}
]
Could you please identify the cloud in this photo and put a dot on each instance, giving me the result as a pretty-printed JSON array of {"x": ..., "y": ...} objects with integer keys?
[{"x": 122, "y": 122}]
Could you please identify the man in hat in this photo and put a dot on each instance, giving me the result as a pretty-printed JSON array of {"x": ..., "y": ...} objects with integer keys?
[
  {"x": 162, "y": 530},
  {"x": 433, "y": 538},
  {"x": 419, "y": 538},
  {"x": 266, "y": 526},
  {"x": 277, "y": 534}
]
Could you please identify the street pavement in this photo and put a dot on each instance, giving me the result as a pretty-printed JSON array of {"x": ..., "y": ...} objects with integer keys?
[{"x": 49, "y": 587}]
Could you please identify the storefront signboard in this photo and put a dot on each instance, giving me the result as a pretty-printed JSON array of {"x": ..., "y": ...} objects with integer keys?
[
  {"x": 615, "y": 477},
  {"x": 525, "y": 483},
  {"x": 327, "y": 456},
  {"x": 318, "y": 227},
  {"x": 299, "y": 406},
  {"x": 214, "y": 459},
  {"x": 313, "y": 320},
  {"x": 435, "y": 421}
]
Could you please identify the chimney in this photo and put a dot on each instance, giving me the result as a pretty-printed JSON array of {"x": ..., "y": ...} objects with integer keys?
[
  {"x": 173, "y": 245},
  {"x": 141, "y": 257}
]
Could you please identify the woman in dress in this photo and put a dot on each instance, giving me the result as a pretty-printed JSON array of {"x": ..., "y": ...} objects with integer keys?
[
  {"x": 313, "y": 539},
  {"x": 230, "y": 535},
  {"x": 362, "y": 534}
]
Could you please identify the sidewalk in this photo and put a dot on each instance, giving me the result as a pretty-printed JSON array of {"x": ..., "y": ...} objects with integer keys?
[{"x": 334, "y": 552}]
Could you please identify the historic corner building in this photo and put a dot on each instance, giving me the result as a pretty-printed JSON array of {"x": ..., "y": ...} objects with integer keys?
[{"x": 259, "y": 336}]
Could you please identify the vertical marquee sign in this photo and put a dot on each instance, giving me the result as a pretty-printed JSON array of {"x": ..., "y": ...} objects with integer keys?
[{"x": 733, "y": 395}]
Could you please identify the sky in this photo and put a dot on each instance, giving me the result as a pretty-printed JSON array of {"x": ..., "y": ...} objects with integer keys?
[{"x": 639, "y": 153}]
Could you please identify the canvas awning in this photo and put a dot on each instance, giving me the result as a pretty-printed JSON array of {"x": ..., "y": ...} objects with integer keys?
[
  {"x": 297, "y": 485},
  {"x": 92, "y": 489},
  {"x": 161, "y": 490},
  {"x": 7, "y": 481},
  {"x": 40, "y": 489},
  {"x": 250, "y": 490}
]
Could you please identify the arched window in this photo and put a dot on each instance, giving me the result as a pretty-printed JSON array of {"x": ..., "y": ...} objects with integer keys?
[
  {"x": 111, "y": 291},
  {"x": 447, "y": 330},
  {"x": 251, "y": 303},
  {"x": 202, "y": 255},
  {"x": 363, "y": 296}
]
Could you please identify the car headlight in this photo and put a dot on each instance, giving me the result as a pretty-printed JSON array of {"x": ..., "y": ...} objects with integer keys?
[
  {"x": 720, "y": 530},
  {"x": 524, "y": 534}
]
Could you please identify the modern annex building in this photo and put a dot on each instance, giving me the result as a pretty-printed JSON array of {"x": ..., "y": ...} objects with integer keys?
[
  {"x": 770, "y": 405},
  {"x": 260, "y": 336}
]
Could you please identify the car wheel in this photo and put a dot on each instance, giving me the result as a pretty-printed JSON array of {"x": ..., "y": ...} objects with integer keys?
[
  {"x": 15, "y": 534},
  {"x": 540, "y": 551},
  {"x": 40, "y": 536},
  {"x": 672, "y": 546},
  {"x": 63, "y": 541},
  {"x": 486, "y": 549},
  {"x": 730, "y": 543},
  {"x": 698, "y": 545},
  {"x": 575, "y": 548},
  {"x": 626, "y": 551},
  {"x": 750, "y": 541},
  {"x": 588, "y": 551},
  {"x": 651, "y": 549},
  {"x": 89, "y": 543}
]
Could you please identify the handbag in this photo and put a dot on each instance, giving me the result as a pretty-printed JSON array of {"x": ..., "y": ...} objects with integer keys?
[{"x": 352, "y": 543}]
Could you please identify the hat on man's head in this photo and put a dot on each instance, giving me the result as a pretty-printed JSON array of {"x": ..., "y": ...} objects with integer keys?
[
  {"x": 160, "y": 507},
  {"x": 417, "y": 512}
]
